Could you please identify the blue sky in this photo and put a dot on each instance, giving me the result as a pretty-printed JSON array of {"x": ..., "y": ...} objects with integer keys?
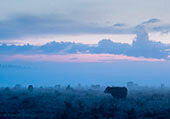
[
  {"x": 82, "y": 34},
  {"x": 112, "y": 74}
]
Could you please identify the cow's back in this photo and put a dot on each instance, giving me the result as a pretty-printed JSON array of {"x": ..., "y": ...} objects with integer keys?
[{"x": 117, "y": 92}]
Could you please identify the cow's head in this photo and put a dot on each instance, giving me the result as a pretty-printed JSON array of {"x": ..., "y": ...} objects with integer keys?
[{"x": 107, "y": 90}]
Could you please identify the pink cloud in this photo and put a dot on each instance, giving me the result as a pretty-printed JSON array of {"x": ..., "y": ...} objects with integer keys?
[{"x": 76, "y": 58}]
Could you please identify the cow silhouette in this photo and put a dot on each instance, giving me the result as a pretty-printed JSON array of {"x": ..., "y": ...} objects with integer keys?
[
  {"x": 117, "y": 92},
  {"x": 30, "y": 88},
  {"x": 69, "y": 88}
]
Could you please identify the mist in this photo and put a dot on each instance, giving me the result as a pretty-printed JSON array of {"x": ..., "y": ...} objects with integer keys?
[{"x": 116, "y": 73}]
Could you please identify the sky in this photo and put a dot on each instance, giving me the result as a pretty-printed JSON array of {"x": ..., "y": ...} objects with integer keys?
[
  {"x": 21, "y": 19},
  {"x": 88, "y": 32}
]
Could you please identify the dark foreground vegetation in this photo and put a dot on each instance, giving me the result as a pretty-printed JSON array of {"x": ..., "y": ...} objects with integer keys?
[{"x": 83, "y": 103}]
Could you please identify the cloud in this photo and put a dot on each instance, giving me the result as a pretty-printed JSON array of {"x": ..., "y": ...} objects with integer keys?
[
  {"x": 11, "y": 66},
  {"x": 164, "y": 28},
  {"x": 97, "y": 11},
  {"x": 155, "y": 25},
  {"x": 30, "y": 25},
  {"x": 151, "y": 21},
  {"x": 119, "y": 25},
  {"x": 21, "y": 26},
  {"x": 141, "y": 47},
  {"x": 76, "y": 58},
  {"x": 107, "y": 46}
]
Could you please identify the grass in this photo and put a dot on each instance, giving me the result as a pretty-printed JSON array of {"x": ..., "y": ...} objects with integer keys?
[{"x": 81, "y": 103}]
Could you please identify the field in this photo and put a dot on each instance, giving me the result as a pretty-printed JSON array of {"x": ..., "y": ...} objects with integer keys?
[{"x": 83, "y": 103}]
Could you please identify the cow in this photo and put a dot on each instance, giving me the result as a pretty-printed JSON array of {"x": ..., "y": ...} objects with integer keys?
[
  {"x": 117, "y": 92},
  {"x": 30, "y": 88},
  {"x": 69, "y": 88}
]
